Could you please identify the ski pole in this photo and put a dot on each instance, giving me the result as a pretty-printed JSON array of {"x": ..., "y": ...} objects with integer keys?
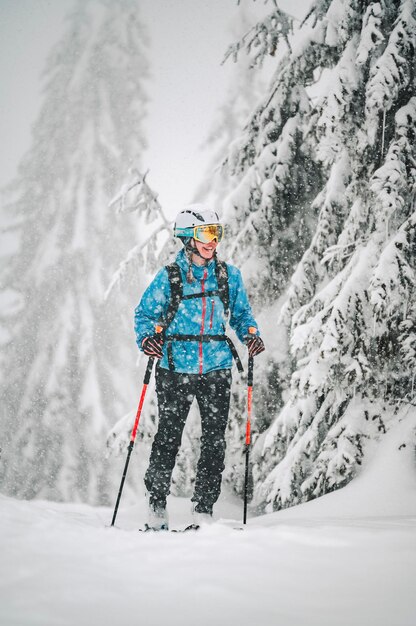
[
  {"x": 135, "y": 427},
  {"x": 248, "y": 431}
]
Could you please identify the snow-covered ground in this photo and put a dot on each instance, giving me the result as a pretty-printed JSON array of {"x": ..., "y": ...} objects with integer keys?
[{"x": 348, "y": 558}]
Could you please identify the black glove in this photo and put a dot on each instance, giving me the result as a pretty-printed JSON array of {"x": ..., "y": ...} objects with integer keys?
[
  {"x": 152, "y": 346},
  {"x": 255, "y": 345}
]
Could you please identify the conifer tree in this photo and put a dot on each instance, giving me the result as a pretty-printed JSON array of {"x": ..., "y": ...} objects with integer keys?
[
  {"x": 273, "y": 171},
  {"x": 272, "y": 178},
  {"x": 68, "y": 359},
  {"x": 349, "y": 310}
]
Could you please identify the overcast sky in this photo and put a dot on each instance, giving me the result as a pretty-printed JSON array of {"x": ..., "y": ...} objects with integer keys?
[{"x": 188, "y": 41}]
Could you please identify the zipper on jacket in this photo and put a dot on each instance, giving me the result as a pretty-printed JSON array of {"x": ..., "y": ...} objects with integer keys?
[{"x": 204, "y": 310}]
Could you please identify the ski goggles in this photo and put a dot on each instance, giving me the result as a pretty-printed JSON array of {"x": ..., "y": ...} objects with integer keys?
[{"x": 203, "y": 234}]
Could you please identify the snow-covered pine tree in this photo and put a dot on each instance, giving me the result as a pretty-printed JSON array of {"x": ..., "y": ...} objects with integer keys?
[
  {"x": 273, "y": 169},
  {"x": 272, "y": 177},
  {"x": 68, "y": 360},
  {"x": 350, "y": 309}
]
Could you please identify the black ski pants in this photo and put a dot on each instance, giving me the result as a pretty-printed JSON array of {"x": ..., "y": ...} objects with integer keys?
[{"x": 175, "y": 393}]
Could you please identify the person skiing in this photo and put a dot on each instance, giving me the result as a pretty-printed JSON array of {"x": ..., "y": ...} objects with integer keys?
[{"x": 190, "y": 301}]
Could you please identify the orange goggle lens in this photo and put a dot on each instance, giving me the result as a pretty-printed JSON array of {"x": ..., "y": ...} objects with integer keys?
[{"x": 208, "y": 233}]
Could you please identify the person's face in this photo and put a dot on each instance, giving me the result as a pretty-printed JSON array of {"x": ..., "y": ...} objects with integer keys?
[{"x": 206, "y": 250}]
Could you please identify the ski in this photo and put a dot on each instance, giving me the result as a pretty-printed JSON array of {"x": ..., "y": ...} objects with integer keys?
[
  {"x": 147, "y": 528},
  {"x": 191, "y": 527},
  {"x": 172, "y": 530},
  {"x": 186, "y": 529}
]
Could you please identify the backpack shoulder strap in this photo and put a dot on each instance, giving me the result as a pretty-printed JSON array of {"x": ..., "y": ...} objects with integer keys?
[
  {"x": 221, "y": 271},
  {"x": 176, "y": 292}
]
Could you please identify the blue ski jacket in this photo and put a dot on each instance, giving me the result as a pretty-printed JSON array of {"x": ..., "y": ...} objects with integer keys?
[{"x": 196, "y": 316}]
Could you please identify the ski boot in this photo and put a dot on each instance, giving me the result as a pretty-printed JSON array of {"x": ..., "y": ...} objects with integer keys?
[{"x": 157, "y": 516}]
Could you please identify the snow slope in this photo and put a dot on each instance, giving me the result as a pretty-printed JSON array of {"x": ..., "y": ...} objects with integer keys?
[{"x": 348, "y": 558}]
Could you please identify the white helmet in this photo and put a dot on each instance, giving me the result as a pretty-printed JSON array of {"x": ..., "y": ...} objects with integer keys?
[{"x": 194, "y": 215}]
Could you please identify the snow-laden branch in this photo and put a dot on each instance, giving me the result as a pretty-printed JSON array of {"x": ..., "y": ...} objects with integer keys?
[
  {"x": 137, "y": 195},
  {"x": 263, "y": 36},
  {"x": 132, "y": 258}
]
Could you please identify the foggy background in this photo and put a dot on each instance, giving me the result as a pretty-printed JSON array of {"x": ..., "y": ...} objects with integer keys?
[{"x": 187, "y": 43}]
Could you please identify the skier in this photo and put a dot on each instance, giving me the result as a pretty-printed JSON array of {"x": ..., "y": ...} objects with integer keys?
[{"x": 190, "y": 299}]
